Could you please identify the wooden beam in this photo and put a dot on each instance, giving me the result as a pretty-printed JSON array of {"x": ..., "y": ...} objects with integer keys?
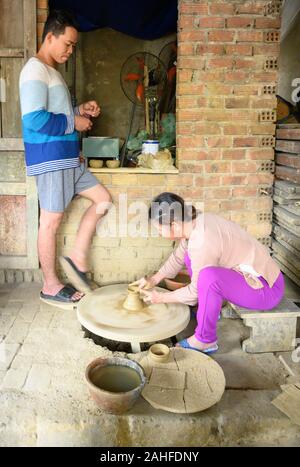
[
  {"x": 11, "y": 144},
  {"x": 11, "y": 53},
  {"x": 30, "y": 28}
]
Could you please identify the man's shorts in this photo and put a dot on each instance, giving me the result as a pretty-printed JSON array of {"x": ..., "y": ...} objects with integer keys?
[{"x": 57, "y": 189}]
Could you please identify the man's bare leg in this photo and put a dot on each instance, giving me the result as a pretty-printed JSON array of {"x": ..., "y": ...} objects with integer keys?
[
  {"x": 49, "y": 223},
  {"x": 100, "y": 198}
]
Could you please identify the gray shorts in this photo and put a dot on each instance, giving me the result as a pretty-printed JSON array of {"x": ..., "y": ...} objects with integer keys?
[{"x": 57, "y": 189}]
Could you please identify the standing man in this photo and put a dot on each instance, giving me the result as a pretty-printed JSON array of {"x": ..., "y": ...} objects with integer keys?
[{"x": 50, "y": 127}]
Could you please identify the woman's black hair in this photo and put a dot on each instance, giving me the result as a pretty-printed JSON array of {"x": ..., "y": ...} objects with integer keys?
[
  {"x": 169, "y": 207},
  {"x": 58, "y": 21}
]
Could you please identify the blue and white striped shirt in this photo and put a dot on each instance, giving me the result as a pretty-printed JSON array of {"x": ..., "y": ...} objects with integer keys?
[{"x": 50, "y": 139}]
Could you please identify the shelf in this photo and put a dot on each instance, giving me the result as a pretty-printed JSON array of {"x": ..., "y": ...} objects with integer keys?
[{"x": 132, "y": 170}]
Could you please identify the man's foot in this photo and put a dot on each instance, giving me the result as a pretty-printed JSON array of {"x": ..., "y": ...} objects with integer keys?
[
  {"x": 77, "y": 277},
  {"x": 195, "y": 344},
  {"x": 80, "y": 263},
  {"x": 66, "y": 298},
  {"x": 55, "y": 288}
]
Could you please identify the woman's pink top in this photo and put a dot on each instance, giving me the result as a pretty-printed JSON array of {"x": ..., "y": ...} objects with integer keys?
[{"x": 215, "y": 241}]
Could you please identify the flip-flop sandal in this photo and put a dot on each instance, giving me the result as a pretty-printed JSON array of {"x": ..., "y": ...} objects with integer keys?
[
  {"x": 211, "y": 350},
  {"x": 77, "y": 278},
  {"x": 63, "y": 299}
]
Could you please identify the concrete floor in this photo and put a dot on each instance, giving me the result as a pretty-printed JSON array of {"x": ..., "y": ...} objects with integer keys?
[{"x": 44, "y": 400}]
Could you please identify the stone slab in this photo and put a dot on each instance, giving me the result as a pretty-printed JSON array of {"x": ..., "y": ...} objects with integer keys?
[
  {"x": 251, "y": 371},
  {"x": 271, "y": 334},
  {"x": 286, "y": 309},
  {"x": 289, "y": 402},
  {"x": 14, "y": 379},
  {"x": 7, "y": 354},
  {"x": 39, "y": 378}
]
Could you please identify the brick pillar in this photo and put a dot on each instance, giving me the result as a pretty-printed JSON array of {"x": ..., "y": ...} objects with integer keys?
[
  {"x": 226, "y": 108},
  {"x": 42, "y": 12}
]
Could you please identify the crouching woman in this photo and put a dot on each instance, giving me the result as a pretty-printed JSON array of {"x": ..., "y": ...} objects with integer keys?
[{"x": 224, "y": 263}]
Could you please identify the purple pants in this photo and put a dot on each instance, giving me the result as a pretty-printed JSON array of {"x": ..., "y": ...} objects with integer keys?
[{"x": 216, "y": 285}]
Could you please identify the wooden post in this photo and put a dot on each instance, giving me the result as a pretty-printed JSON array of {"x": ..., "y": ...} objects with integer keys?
[{"x": 146, "y": 85}]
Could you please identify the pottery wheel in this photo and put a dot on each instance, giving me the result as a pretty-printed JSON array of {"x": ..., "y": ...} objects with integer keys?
[
  {"x": 102, "y": 313},
  {"x": 189, "y": 382}
]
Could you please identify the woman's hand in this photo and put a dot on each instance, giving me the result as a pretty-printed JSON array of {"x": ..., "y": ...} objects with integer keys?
[
  {"x": 146, "y": 283},
  {"x": 152, "y": 296}
]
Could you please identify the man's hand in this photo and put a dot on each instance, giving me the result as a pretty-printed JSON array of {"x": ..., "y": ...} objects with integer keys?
[
  {"x": 82, "y": 123},
  {"x": 90, "y": 109}
]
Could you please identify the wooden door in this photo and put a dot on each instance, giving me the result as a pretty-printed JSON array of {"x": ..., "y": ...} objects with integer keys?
[{"x": 18, "y": 197}]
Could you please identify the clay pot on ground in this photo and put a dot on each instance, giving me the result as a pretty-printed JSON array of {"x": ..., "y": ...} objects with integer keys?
[
  {"x": 159, "y": 353},
  {"x": 123, "y": 391}
]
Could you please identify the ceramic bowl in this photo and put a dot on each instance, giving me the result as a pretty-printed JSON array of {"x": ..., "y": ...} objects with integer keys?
[
  {"x": 96, "y": 163},
  {"x": 112, "y": 164},
  {"x": 181, "y": 280}
]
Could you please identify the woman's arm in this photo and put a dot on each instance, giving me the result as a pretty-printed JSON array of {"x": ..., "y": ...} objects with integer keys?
[
  {"x": 203, "y": 254},
  {"x": 174, "y": 263}
]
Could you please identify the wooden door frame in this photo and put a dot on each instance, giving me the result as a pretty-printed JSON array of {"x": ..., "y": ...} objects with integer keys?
[{"x": 28, "y": 189}]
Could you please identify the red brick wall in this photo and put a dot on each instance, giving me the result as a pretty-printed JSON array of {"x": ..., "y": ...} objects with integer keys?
[
  {"x": 227, "y": 78},
  {"x": 228, "y": 53},
  {"x": 42, "y": 11}
]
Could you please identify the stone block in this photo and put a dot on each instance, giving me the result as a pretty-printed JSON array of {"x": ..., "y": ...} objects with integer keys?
[
  {"x": 39, "y": 378},
  {"x": 106, "y": 242},
  {"x": 271, "y": 330},
  {"x": 2, "y": 277},
  {"x": 37, "y": 275},
  {"x": 14, "y": 379},
  {"x": 7, "y": 354},
  {"x": 10, "y": 276},
  {"x": 242, "y": 371},
  {"x": 27, "y": 313},
  {"x": 42, "y": 319},
  {"x": 19, "y": 277},
  {"x": 6, "y": 322},
  {"x": 22, "y": 363},
  {"x": 17, "y": 333},
  {"x": 28, "y": 275}
]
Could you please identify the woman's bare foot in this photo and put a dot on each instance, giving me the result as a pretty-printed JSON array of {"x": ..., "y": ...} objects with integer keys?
[
  {"x": 193, "y": 342},
  {"x": 53, "y": 289}
]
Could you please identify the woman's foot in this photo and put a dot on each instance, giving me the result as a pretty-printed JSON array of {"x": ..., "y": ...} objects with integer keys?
[
  {"x": 53, "y": 290},
  {"x": 196, "y": 344}
]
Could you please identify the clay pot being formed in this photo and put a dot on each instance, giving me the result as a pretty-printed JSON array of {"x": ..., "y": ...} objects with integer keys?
[{"x": 133, "y": 301}]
